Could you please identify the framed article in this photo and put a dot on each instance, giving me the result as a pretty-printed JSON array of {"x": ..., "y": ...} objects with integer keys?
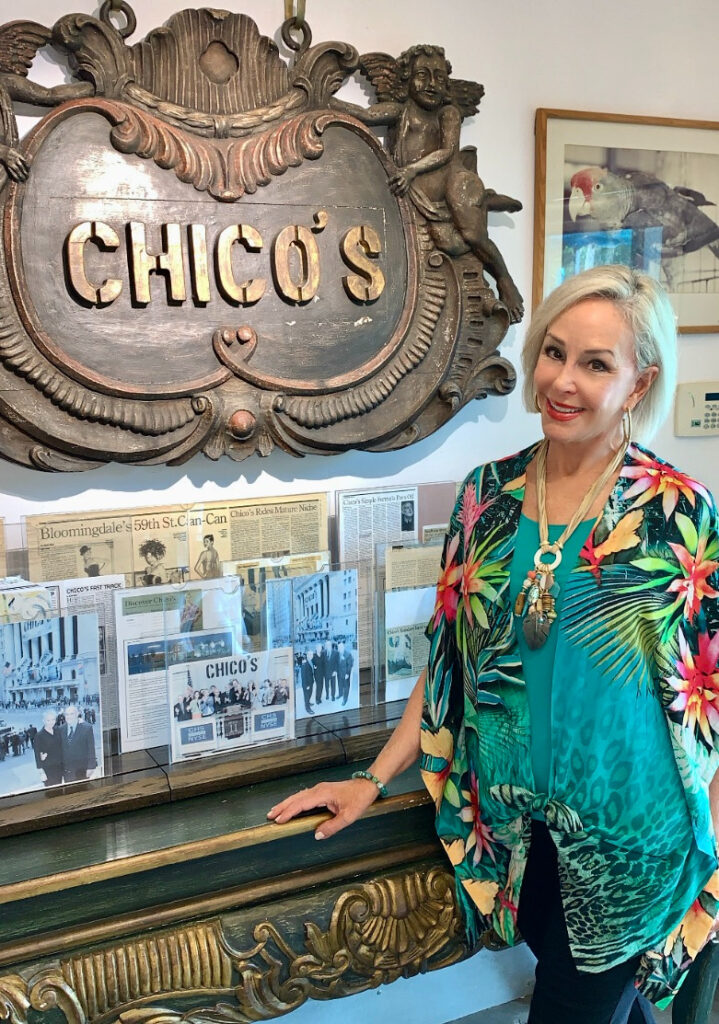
[{"x": 642, "y": 191}]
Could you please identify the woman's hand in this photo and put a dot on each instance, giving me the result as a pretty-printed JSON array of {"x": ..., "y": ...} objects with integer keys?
[{"x": 347, "y": 801}]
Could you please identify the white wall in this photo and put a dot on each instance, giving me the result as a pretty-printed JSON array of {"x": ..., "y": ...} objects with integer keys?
[{"x": 641, "y": 57}]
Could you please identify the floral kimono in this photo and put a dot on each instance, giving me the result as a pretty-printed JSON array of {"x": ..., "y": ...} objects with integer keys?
[{"x": 634, "y": 720}]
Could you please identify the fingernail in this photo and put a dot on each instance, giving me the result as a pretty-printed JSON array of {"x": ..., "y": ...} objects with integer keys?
[{"x": 320, "y": 835}]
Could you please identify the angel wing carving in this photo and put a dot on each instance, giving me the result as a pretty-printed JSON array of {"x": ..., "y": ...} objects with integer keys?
[
  {"x": 466, "y": 95},
  {"x": 382, "y": 71},
  {"x": 19, "y": 42}
]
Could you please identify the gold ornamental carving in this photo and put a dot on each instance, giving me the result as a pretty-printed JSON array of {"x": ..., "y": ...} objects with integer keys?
[{"x": 377, "y": 931}]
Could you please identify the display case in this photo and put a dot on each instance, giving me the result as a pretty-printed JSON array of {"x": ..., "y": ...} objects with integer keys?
[{"x": 157, "y": 887}]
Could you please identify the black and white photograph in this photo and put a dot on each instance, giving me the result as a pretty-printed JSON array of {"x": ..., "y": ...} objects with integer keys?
[
  {"x": 406, "y": 614},
  {"x": 643, "y": 192},
  {"x": 317, "y": 614},
  {"x": 157, "y": 565},
  {"x": 50, "y": 708},
  {"x": 226, "y": 703}
]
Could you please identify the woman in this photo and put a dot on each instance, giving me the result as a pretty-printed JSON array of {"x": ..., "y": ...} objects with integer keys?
[{"x": 568, "y": 721}]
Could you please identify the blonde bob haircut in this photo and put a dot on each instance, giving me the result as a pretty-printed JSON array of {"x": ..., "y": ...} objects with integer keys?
[{"x": 644, "y": 305}]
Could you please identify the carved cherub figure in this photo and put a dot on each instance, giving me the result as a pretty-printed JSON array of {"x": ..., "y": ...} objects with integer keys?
[
  {"x": 19, "y": 42},
  {"x": 424, "y": 108}
]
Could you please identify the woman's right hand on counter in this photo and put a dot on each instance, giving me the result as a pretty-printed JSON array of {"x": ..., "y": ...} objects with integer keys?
[{"x": 346, "y": 801}]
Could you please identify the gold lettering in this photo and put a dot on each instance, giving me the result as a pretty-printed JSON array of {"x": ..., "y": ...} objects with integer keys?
[
  {"x": 251, "y": 290},
  {"x": 199, "y": 267},
  {"x": 144, "y": 263},
  {"x": 302, "y": 241},
  {"x": 357, "y": 246},
  {"x": 106, "y": 239}
]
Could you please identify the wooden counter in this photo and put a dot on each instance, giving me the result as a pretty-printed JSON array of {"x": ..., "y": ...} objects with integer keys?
[{"x": 164, "y": 890}]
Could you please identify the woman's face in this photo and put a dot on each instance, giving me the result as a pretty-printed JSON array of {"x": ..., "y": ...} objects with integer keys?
[{"x": 586, "y": 374}]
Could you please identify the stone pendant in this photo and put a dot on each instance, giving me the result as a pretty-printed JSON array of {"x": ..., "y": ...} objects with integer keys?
[{"x": 536, "y": 626}]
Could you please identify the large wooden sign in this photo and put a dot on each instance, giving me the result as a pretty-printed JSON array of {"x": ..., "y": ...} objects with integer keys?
[{"x": 204, "y": 250}]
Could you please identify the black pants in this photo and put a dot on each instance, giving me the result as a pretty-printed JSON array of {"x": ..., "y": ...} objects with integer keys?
[{"x": 562, "y": 994}]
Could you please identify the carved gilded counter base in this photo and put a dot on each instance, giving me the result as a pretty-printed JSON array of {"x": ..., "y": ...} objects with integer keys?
[
  {"x": 200, "y": 909},
  {"x": 257, "y": 963}
]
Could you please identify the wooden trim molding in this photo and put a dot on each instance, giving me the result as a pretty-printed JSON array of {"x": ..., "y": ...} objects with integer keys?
[
  {"x": 195, "y": 850},
  {"x": 242, "y": 896}
]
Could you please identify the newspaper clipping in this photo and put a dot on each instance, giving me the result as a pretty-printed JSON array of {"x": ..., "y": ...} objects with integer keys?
[
  {"x": 367, "y": 519},
  {"x": 317, "y": 614},
  {"x": 166, "y": 627},
  {"x": 147, "y": 546},
  {"x": 97, "y": 596},
  {"x": 252, "y": 529},
  {"x": 50, "y": 705},
  {"x": 416, "y": 565},
  {"x": 172, "y": 544},
  {"x": 407, "y": 613},
  {"x": 434, "y": 533},
  {"x": 220, "y": 704}
]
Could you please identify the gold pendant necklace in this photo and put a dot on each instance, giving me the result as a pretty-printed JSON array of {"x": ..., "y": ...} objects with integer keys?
[{"x": 536, "y": 601}]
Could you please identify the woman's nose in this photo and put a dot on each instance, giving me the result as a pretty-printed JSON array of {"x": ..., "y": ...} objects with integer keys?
[{"x": 566, "y": 378}]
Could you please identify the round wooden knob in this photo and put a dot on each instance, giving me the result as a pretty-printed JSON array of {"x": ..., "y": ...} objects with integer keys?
[
  {"x": 245, "y": 335},
  {"x": 242, "y": 424}
]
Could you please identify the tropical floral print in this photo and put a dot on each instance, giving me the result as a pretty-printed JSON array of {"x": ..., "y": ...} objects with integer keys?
[
  {"x": 697, "y": 686},
  {"x": 654, "y": 477},
  {"x": 635, "y": 720}
]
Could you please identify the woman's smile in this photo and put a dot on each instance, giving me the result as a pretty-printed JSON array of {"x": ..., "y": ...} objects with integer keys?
[{"x": 558, "y": 411}]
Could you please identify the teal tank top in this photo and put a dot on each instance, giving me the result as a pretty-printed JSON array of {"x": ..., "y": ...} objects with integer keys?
[{"x": 538, "y": 665}]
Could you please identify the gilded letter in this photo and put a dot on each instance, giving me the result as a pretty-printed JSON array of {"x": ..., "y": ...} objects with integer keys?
[
  {"x": 198, "y": 262},
  {"x": 357, "y": 246},
  {"x": 144, "y": 263},
  {"x": 251, "y": 290},
  {"x": 106, "y": 239},
  {"x": 305, "y": 245}
]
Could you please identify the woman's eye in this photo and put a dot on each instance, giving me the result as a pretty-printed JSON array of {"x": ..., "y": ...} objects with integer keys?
[
  {"x": 552, "y": 351},
  {"x": 597, "y": 364}
]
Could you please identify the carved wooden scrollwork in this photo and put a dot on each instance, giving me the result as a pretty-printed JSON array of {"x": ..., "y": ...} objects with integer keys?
[
  {"x": 377, "y": 932},
  {"x": 297, "y": 276}
]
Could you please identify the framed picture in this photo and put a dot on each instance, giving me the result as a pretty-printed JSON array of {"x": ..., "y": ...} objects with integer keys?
[{"x": 643, "y": 191}]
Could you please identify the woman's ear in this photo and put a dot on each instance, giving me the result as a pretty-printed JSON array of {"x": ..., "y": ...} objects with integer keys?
[{"x": 643, "y": 383}]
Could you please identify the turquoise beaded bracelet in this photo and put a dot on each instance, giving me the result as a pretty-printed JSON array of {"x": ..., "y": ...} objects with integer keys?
[{"x": 372, "y": 778}]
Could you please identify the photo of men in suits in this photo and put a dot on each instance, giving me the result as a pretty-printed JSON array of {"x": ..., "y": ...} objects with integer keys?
[
  {"x": 48, "y": 752},
  {"x": 324, "y": 625},
  {"x": 77, "y": 744},
  {"x": 345, "y": 661},
  {"x": 308, "y": 677},
  {"x": 320, "y": 669},
  {"x": 50, "y": 702}
]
